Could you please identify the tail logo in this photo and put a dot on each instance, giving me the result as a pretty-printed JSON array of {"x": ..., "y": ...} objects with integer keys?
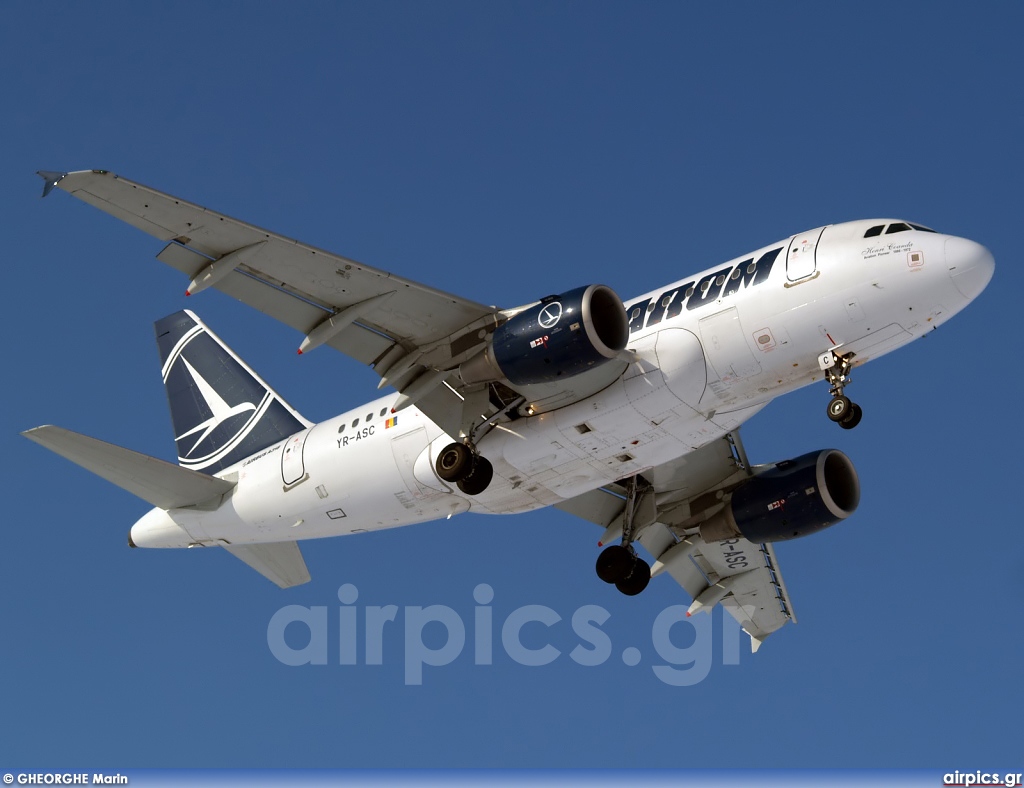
[
  {"x": 221, "y": 410},
  {"x": 218, "y": 407},
  {"x": 215, "y": 402}
]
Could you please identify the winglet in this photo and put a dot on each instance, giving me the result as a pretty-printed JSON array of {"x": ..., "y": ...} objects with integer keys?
[
  {"x": 755, "y": 644},
  {"x": 51, "y": 178}
]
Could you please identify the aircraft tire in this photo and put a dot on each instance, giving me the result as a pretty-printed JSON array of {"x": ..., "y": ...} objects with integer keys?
[
  {"x": 478, "y": 479},
  {"x": 637, "y": 580},
  {"x": 455, "y": 462},
  {"x": 853, "y": 419},
  {"x": 614, "y": 564},
  {"x": 839, "y": 408}
]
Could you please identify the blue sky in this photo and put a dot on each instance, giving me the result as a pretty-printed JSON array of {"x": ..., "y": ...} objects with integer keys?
[{"x": 503, "y": 152}]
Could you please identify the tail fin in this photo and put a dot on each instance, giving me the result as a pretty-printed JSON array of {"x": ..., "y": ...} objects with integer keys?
[{"x": 221, "y": 410}]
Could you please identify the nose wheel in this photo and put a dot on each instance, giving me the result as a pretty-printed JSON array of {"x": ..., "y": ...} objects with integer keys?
[
  {"x": 845, "y": 413},
  {"x": 459, "y": 464},
  {"x": 841, "y": 409}
]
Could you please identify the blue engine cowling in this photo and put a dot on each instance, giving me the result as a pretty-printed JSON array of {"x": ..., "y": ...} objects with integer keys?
[
  {"x": 561, "y": 336},
  {"x": 792, "y": 499}
]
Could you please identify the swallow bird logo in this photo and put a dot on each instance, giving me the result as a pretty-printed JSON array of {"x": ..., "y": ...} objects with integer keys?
[
  {"x": 210, "y": 424},
  {"x": 219, "y": 409},
  {"x": 550, "y": 314}
]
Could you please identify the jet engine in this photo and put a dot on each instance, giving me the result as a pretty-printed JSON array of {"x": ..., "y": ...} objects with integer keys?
[
  {"x": 561, "y": 336},
  {"x": 790, "y": 499}
]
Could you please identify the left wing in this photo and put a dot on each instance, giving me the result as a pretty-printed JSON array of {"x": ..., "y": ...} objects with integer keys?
[
  {"x": 743, "y": 577},
  {"x": 407, "y": 330}
]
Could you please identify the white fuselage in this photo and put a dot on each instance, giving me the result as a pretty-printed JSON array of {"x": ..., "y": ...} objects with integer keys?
[{"x": 705, "y": 359}]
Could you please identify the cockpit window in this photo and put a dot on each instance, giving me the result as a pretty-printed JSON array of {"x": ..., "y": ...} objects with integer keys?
[{"x": 896, "y": 227}]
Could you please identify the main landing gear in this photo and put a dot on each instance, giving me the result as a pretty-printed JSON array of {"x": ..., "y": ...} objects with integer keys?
[
  {"x": 459, "y": 463},
  {"x": 619, "y": 563},
  {"x": 841, "y": 410}
]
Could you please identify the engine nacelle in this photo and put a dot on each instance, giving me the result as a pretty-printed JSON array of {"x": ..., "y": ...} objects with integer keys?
[
  {"x": 793, "y": 498},
  {"x": 560, "y": 337}
]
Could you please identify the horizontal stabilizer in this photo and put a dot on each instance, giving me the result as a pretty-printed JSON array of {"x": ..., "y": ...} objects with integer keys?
[
  {"x": 161, "y": 483},
  {"x": 279, "y": 562}
]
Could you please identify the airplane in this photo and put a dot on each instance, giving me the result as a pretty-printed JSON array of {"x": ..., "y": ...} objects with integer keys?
[{"x": 625, "y": 414}]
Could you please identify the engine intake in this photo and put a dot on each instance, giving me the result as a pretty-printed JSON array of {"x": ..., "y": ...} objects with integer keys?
[
  {"x": 791, "y": 499},
  {"x": 561, "y": 336}
]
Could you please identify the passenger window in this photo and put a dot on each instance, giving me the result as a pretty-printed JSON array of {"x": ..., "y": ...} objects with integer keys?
[
  {"x": 341, "y": 429},
  {"x": 876, "y": 230},
  {"x": 383, "y": 411},
  {"x": 897, "y": 227},
  {"x": 355, "y": 423},
  {"x": 369, "y": 416}
]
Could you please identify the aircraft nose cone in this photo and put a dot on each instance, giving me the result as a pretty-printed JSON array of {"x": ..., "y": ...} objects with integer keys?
[{"x": 970, "y": 265}]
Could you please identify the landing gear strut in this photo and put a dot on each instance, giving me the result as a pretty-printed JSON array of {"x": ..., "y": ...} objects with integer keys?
[
  {"x": 460, "y": 464},
  {"x": 619, "y": 563},
  {"x": 841, "y": 410}
]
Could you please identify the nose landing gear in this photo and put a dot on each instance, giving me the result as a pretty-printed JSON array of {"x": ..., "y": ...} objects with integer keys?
[
  {"x": 841, "y": 410},
  {"x": 460, "y": 464}
]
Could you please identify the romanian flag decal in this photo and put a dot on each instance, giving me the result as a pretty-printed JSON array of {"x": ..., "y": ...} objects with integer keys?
[{"x": 392, "y": 422}]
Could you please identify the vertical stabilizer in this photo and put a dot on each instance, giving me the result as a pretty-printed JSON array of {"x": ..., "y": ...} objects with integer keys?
[{"x": 221, "y": 410}]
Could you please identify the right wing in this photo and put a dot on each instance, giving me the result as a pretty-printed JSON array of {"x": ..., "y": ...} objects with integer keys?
[
  {"x": 741, "y": 576},
  {"x": 407, "y": 330},
  {"x": 414, "y": 336},
  {"x": 308, "y": 281}
]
